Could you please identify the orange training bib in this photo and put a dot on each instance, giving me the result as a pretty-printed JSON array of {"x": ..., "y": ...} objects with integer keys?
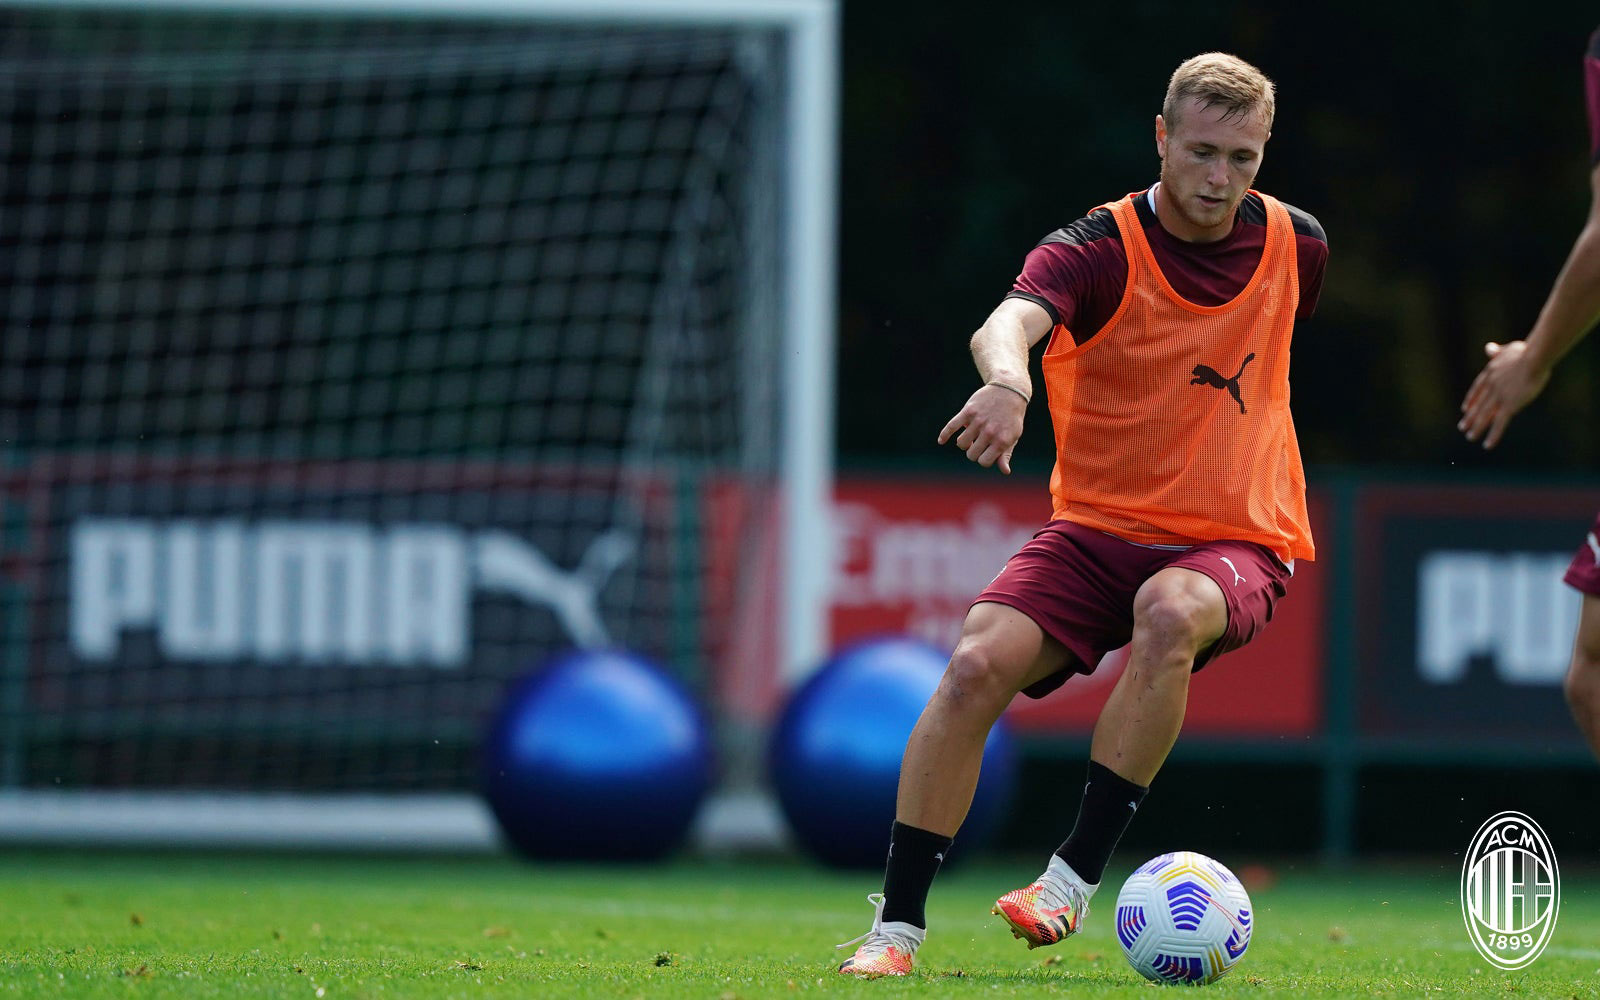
[{"x": 1172, "y": 423}]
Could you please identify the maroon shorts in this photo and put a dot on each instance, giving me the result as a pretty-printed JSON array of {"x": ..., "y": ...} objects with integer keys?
[
  {"x": 1078, "y": 584},
  {"x": 1584, "y": 573}
]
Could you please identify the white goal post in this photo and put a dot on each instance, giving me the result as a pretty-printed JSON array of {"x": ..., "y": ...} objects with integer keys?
[{"x": 805, "y": 148}]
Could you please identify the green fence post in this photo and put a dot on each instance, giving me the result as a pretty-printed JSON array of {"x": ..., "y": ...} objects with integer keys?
[{"x": 1340, "y": 757}]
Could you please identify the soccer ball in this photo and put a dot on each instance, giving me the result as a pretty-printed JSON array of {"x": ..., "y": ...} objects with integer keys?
[{"x": 1183, "y": 918}]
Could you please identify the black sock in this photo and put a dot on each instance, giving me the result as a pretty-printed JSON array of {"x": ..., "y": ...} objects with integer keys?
[
  {"x": 914, "y": 858},
  {"x": 1109, "y": 802}
]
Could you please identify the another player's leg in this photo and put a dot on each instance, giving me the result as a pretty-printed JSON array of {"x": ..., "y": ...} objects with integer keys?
[
  {"x": 1177, "y": 614},
  {"x": 1582, "y": 684},
  {"x": 1001, "y": 651}
]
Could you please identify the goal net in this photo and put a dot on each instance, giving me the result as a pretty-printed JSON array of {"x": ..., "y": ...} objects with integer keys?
[{"x": 356, "y": 362}]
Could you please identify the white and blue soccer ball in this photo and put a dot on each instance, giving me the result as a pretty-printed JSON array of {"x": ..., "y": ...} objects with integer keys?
[{"x": 1183, "y": 918}]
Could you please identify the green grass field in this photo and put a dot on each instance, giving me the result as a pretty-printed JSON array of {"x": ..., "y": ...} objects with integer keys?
[{"x": 84, "y": 924}]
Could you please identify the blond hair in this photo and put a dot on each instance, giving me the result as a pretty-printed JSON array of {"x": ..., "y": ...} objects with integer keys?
[{"x": 1220, "y": 80}]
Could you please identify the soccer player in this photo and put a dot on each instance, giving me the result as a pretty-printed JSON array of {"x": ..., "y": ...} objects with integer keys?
[
  {"x": 1517, "y": 372},
  {"x": 1179, "y": 500}
]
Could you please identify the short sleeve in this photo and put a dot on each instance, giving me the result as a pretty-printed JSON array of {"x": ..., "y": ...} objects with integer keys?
[
  {"x": 1076, "y": 274},
  {"x": 1056, "y": 276}
]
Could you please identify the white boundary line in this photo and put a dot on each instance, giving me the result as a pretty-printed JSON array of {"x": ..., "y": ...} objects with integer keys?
[
  {"x": 334, "y": 821},
  {"x": 338, "y": 821}
]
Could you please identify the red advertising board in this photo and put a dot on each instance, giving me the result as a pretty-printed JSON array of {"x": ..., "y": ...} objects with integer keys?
[{"x": 913, "y": 553}]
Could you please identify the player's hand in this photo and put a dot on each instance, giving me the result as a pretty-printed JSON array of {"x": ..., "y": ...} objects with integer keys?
[
  {"x": 1507, "y": 383},
  {"x": 988, "y": 427}
]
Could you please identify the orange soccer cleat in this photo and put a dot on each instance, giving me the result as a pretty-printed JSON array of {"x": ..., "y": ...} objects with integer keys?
[{"x": 1049, "y": 910}]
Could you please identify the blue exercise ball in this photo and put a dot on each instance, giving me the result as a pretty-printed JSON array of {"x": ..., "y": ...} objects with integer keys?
[
  {"x": 835, "y": 754},
  {"x": 596, "y": 756}
]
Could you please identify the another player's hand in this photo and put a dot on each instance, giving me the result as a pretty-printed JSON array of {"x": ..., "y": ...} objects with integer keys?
[
  {"x": 1507, "y": 383},
  {"x": 988, "y": 427}
]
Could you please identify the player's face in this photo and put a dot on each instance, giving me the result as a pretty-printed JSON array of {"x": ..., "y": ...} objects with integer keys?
[{"x": 1208, "y": 161}]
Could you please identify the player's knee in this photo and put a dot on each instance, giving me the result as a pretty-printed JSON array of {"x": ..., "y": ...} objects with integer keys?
[
  {"x": 975, "y": 675},
  {"x": 1174, "y": 617}
]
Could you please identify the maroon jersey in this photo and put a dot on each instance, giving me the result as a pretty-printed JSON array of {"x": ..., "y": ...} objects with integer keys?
[
  {"x": 1591, "y": 90},
  {"x": 1078, "y": 273}
]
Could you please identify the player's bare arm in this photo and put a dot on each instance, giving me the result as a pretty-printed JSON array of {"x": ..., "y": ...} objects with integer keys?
[
  {"x": 989, "y": 425},
  {"x": 1517, "y": 372}
]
